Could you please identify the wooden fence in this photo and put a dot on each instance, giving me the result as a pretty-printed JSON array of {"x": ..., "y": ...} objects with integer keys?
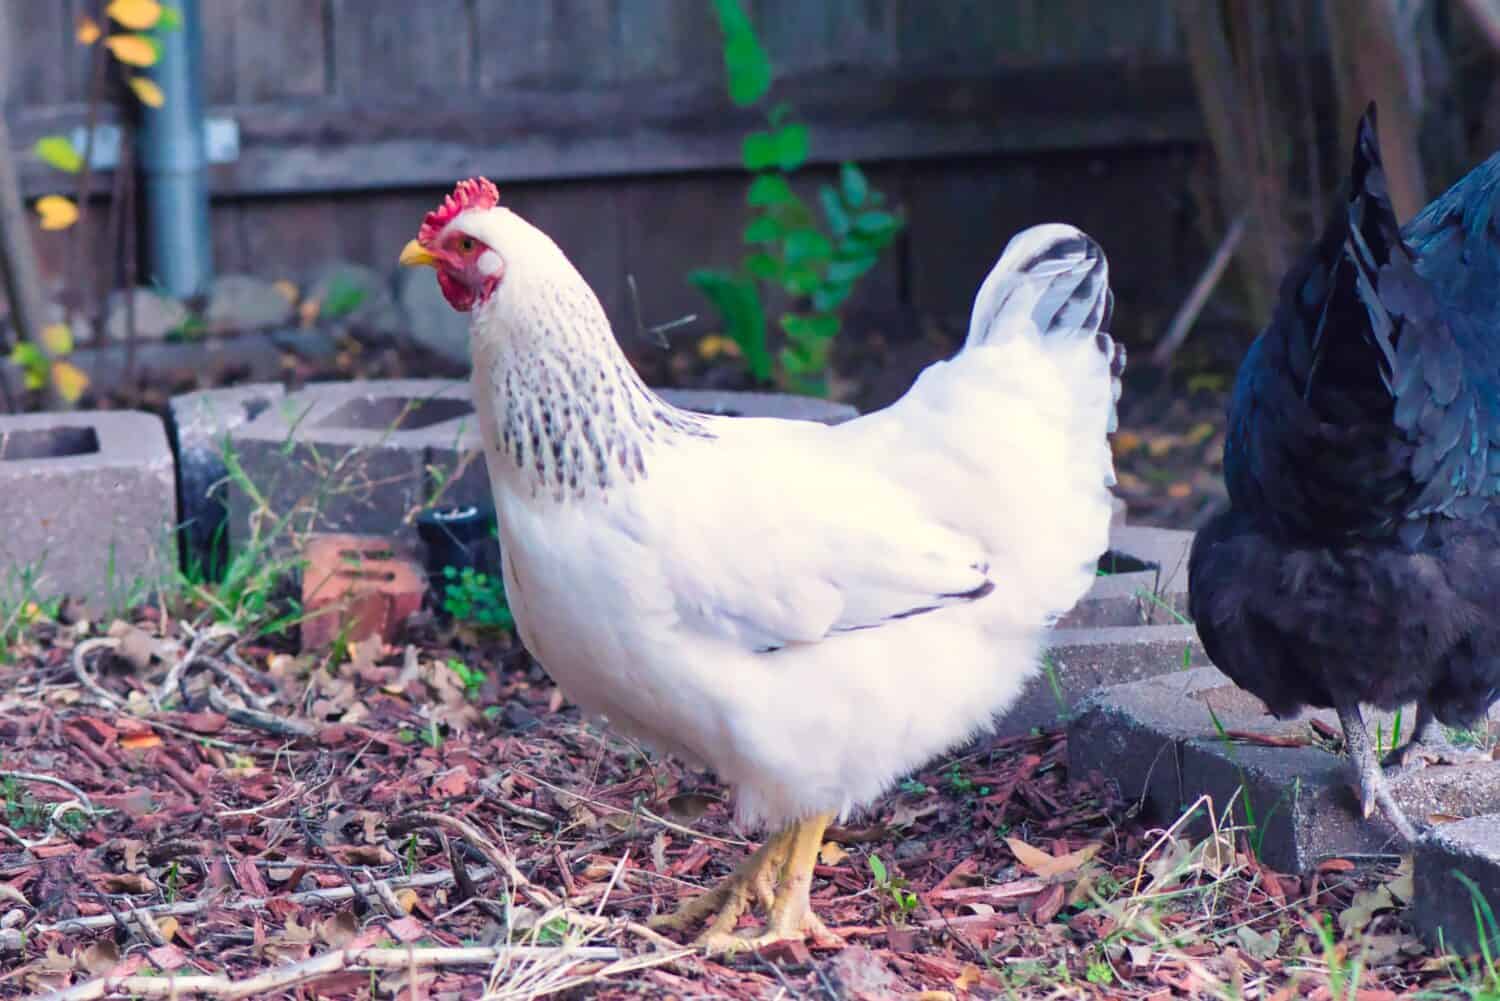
[{"x": 606, "y": 121}]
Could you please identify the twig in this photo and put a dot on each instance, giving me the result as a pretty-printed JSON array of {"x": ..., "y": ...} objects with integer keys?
[
  {"x": 259, "y": 720},
  {"x": 481, "y": 843},
  {"x": 1187, "y": 313},
  {"x": 333, "y": 894},
  {"x": 85, "y": 677},
  {"x": 281, "y": 978}
]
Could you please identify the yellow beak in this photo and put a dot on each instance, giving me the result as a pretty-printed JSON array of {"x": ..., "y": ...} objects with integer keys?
[{"x": 414, "y": 254}]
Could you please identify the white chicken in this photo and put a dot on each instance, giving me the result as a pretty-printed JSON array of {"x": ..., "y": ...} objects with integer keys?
[{"x": 811, "y": 611}]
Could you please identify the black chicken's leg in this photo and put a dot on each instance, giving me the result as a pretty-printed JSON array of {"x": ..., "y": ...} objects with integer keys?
[
  {"x": 1429, "y": 745},
  {"x": 1373, "y": 790}
]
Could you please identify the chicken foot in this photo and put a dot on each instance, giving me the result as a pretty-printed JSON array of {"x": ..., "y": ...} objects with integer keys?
[
  {"x": 1429, "y": 745},
  {"x": 778, "y": 877},
  {"x": 1373, "y": 789}
]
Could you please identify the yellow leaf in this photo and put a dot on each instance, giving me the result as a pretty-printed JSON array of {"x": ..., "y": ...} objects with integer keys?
[
  {"x": 57, "y": 338},
  {"x": 1180, "y": 490},
  {"x": 88, "y": 31},
  {"x": 56, "y": 211},
  {"x": 149, "y": 93},
  {"x": 140, "y": 741},
  {"x": 712, "y": 346},
  {"x": 407, "y": 899},
  {"x": 287, "y": 289},
  {"x": 137, "y": 15},
  {"x": 832, "y": 853},
  {"x": 168, "y": 927},
  {"x": 69, "y": 379},
  {"x": 132, "y": 50}
]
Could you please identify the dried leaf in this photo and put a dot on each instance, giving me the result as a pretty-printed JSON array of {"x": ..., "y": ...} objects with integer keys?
[
  {"x": 88, "y": 31},
  {"x": 140, "y": 741},
  {"x": 1048, "y": 866},
  {"x": 125, "y": 882},
  {"x": 132, "y": 50},
  {"x": 831, "y": 853},
  {"x": 100, "y": 958},
  {"x": 408, "y": 899},
  {"x": 147, "y": 91},
  {"x": 57, "y": 338},
  {"x": 168, "y": 927},
  {"x": 288, "y": 290},
  {"x": 137, "y": 15},
  {"x": 56, "y": 212}
]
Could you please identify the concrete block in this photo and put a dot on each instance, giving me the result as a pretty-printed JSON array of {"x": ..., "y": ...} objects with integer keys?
[
  {"x": 1167, "y": 741},
  {"x": 357, "y": 587},
  {"x": 1443, "y": 906},
  {"x": 345, "y": 458},
  {"x": 199, "y": 424},
  {"x": 90, "y": 503}
]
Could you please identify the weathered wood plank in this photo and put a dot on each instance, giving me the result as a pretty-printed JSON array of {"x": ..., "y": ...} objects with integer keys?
[
  {"x": 660, "y": 128},
  {"x": 280, "y": 50},
  {"x": 400, "y": 48},
  {"x": 668, "y": 40},
  {"x": 561, "y": 43},
  {"x": 37, "y": 61},
  {"x": 802, "y": 36}
]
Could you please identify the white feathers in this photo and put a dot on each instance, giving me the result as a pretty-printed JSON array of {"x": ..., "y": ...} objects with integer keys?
[{"x": 815, "y": 611}]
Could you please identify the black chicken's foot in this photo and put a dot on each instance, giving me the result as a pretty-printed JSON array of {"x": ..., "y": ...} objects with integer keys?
[
  {"x": 1429, "y": 745},
  {"x": 1370, "y": 782}
]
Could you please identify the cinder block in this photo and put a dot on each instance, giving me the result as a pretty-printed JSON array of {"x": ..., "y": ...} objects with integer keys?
[
  {"x": 200, "y": 424},
  {"x": 90, "y": 503},
  {"x": 348, "y": 458},
  {"x": 1167, "y": 741},
  {"x": 332, "y": 458},
  {"x": 1443, "y": 906}
]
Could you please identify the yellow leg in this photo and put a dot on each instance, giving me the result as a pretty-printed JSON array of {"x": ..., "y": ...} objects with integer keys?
[
  {"x": 790, "y": 916},
  {"x": 755, "y": 877}
]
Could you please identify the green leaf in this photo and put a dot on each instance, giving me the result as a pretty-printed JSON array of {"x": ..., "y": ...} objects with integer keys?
[
  {"x": 58, "y": 152},
  {"x": 833, "y": 211},
  {"x": 878, "y": 868},
  {"x": 763, "y": 229},
  {"x": 810, "y": 327},
  {"x": 32, "y": 362},
  {"x": 744, "y": 318},
  {"x": 800, "y": 280},
  {"x": 170, "y": 20},
  {"x": 876, "y": 224},
  {"x": 852, "y": 182},
  {"x": 746, "y": 65},
  {"x": 805, "y": 359},
  {"x": 807, "y": 246},
  {"x": 791, "y": 146},
  {"x": 760, "y": 150},
  {"x": 769, "y": 189},
  {"x": 764, "y": 266},
  {"x": 849, "y": 270},
  {"x": 830, "y": 296}
]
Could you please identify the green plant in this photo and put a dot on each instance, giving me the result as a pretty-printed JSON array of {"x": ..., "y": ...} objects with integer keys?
[
  {"x": 902, "y": 900},
  {"x": 476, "y": 598},
  {"x": 816, "y": 262},
  {"x": 472, "y": 678}
]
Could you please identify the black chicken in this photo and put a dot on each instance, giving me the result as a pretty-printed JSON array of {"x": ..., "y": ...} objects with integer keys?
[{"x": 1359, "y": 561}]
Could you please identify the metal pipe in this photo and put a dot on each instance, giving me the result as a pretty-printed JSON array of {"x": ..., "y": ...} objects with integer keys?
[{"x": 174, "y": 161}]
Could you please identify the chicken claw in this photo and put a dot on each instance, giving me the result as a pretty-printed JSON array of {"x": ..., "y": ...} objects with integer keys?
[
  {"x": 1374, "y": 791},
  {"x": 1429, "y": 745},
  {"x": 778, "y": 878}
]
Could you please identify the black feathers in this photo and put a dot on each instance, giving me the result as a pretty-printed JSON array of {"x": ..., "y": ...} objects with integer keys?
[{"x": 1362, "y": 550}]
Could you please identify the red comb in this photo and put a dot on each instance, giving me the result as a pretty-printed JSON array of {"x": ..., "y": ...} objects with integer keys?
[{"x": 474, "y": 193}]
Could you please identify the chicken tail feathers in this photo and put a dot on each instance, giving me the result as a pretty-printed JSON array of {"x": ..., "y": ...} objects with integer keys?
[{"x": 1052, "y": 280}]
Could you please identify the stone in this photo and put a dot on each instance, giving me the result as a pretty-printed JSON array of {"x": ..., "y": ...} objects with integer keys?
[
  {"x": 359, "y": 458},
  {"x": 430, "y": 321},
  {"x": 355, "y": 587},
  {"x": 1168, "y": 741},
  {"x": 200, "y": 423},
  {"x": 356, "y": 296},
  {"x": 156, "y": 315},
  {"x": 244, "y": 302},
  {"x": 1442, "y": 908},
  {"x": 90, "y": 504}
]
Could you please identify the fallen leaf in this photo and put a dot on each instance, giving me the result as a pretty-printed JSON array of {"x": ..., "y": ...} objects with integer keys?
[
  {"x": 1049, "y": 903},
  {"x": 408, "y": 899},
  {"x": 100, "y": 958},
  {"x": 132, "y": 50},
  {"x": 407, "y": 929},
  {"x": 1049, "y": 866},
  {"x": 125, "y": 882},
  {"x": 168, "y": 927},
  {"x": 56, "y": 212},
  {"x": 137, "y": 15},
  {"x": 140, "y": 741},
  {"x": 831, "y": 853},
  {"x": 166, "y": 957},
  {"x": 288, "y": 289}
]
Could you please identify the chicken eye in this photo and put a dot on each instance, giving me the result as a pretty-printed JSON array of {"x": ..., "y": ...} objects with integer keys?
[{"x": 466, "y": 245}]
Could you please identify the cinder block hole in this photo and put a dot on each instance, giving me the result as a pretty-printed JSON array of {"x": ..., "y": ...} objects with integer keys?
[
  {"x": 715, "y": 411},
  {"x": 382, "y": 575},
  {"x": 254, "y": 408},
  {"x": 357, "y": 556},
  {"x": 405, "y": 413},
  {"x": 47, "y": 443},
  {"x": 1113, "y": 562}
]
